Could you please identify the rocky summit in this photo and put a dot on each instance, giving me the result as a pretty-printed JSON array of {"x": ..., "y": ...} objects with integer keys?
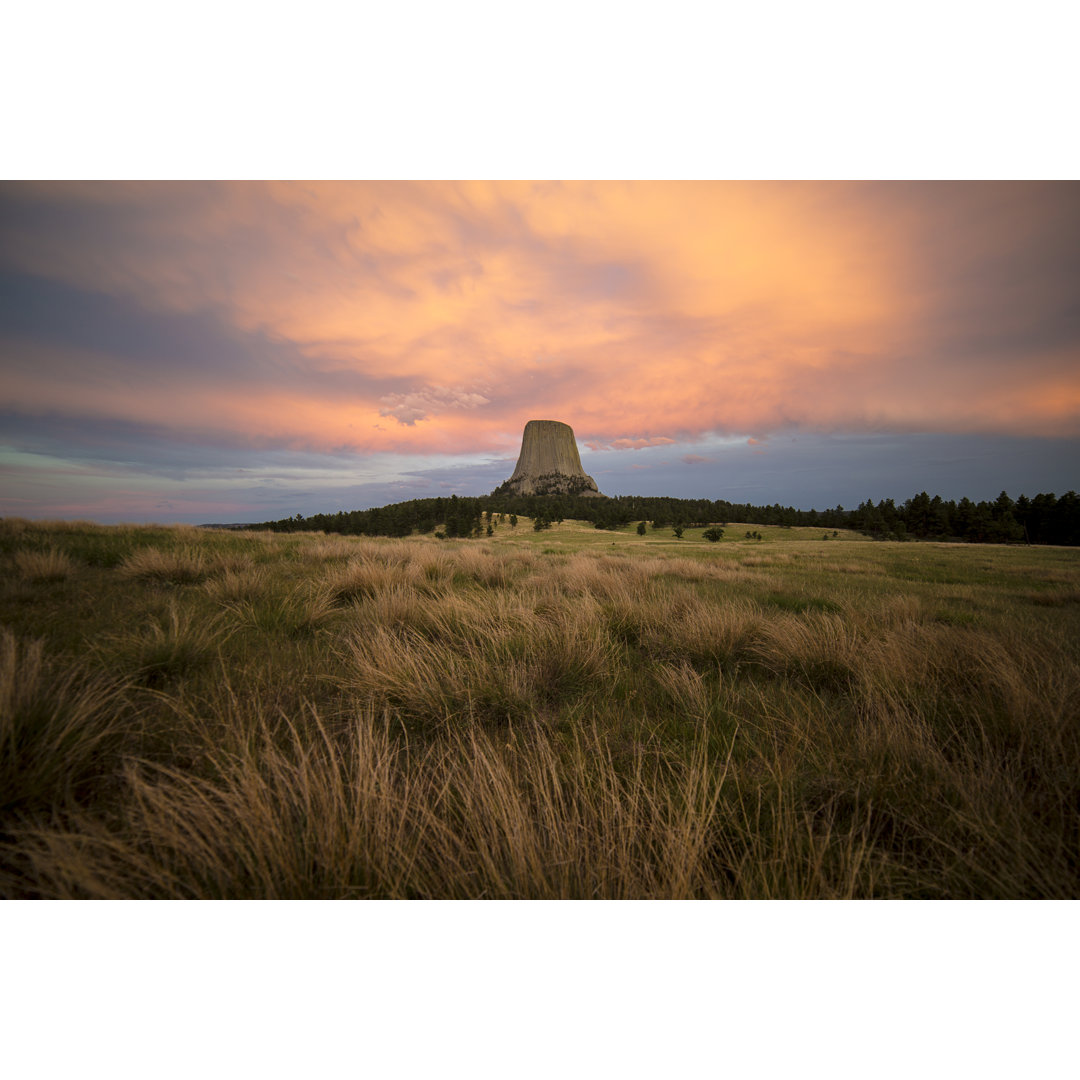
[{"x": 549, "y": 463}]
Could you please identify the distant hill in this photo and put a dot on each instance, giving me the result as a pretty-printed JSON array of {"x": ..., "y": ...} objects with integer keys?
[{"x": 1045, "y": 519}]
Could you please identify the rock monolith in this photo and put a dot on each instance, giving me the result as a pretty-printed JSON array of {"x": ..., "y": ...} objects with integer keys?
[{"x": 549, "y": 463}]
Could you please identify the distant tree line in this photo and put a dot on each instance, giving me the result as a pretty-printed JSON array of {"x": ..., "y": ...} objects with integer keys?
[{"x": 1044, "y": 519}]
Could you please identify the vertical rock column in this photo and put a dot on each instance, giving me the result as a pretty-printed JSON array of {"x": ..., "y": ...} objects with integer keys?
[{"x": 549, "y": 462}]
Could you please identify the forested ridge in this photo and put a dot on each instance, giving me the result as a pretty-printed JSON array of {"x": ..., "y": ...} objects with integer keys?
[{"x": 1044, "y": 519}]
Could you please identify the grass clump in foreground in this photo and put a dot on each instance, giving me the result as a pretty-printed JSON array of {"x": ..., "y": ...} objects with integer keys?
[{"x": 215, "y": 714}]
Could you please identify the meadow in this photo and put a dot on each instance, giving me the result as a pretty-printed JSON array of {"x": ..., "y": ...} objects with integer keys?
[{"x": 571, "y": 713}]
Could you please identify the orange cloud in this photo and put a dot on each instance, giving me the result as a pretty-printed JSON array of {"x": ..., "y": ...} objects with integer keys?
[
  {"x": 639, "y": 443},
  {"x": 641, "y": 313}
]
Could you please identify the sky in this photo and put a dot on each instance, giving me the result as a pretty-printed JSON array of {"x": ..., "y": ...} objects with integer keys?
[{"x": 233, "y": 351}]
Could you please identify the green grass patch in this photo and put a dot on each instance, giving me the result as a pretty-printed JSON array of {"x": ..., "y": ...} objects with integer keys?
[{"x": 799, "y": 604}]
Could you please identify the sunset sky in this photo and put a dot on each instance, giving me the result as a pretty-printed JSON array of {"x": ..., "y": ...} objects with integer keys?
[{"x": 225, "y": 352}]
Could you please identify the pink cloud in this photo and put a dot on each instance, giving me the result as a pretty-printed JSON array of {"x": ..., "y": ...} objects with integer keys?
[
  {"x": 461, "y": 310},
  {"x": 628, "y": 443}
]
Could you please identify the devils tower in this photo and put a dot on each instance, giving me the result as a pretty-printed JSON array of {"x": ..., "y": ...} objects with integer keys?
[{"x": 549, "y": 463}]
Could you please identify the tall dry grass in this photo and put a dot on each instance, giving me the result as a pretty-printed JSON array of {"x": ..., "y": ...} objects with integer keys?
[
  {"x": 165, "y": 647},
  {"x": 500, "y": 658},
  {"x": 39, "y": 566},
  {"x": 359, "y": 811},
  {"x": 344, "y": 717},
  {"x": 242, "y": 582},
  {"x": 181, "y": 566},
  {"x": 59, "y": 730}
]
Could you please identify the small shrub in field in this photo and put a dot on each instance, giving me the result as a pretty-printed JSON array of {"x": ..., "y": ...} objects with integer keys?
[
  {"x": 50, "y": 565},
  {"x": 180, "y": 567}
]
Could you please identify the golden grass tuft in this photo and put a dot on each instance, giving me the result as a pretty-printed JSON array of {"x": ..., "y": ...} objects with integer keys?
[
  {"x": 366, "y": 577},
  {"x": 166, "y": 647},
  {"x": 501, "y": 659},
  {"x": 298, "y": 613},
  {"x": 182, "y": 566},
  {"x": 41, "y": 566},
  {"x": 244, "y": 583}
]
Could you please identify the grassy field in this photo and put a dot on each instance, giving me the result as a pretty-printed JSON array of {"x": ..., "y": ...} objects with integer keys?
[{"x": 569, "y": 713}]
